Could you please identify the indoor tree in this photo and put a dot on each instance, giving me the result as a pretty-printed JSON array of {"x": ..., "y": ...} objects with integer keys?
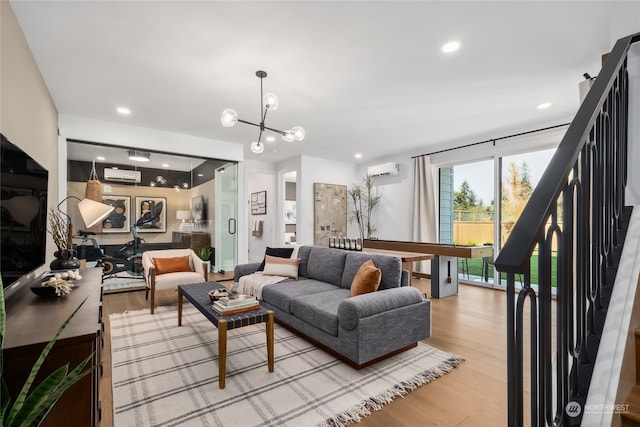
[{"x": 364, "y": 199}]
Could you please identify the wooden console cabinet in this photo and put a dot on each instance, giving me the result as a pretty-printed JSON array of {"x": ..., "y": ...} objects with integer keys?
[
  {"x": 193, "y": 240},
  {"x": 32, "y": 321}
]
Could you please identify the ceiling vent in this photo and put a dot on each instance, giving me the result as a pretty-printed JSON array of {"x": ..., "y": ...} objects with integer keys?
[
  {"x": 385, "y": 169},
  {"x": 121, "y": 175}
]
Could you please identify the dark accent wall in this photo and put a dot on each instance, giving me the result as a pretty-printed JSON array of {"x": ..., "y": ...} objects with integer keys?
[{"x": 79, "y": 172}]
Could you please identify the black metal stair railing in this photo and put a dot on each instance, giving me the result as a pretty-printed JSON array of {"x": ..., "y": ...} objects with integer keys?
[{"x": 578, "y": 205}]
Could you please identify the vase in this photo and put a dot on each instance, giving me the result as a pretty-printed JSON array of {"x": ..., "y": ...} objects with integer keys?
[{"x": 65, "y": 260}]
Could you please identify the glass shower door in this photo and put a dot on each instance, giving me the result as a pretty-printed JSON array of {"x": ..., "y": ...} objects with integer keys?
[{"x": 226, "y": 187}]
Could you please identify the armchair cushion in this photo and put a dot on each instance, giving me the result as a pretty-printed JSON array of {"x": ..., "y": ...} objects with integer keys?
[{"x": 171, "y": 265}]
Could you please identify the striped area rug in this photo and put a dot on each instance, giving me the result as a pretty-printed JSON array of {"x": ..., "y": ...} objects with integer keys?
[{"x": 165, "y": 375}]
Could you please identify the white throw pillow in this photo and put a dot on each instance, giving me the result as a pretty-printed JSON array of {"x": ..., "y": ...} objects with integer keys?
[{"x": 274, "y": 266}]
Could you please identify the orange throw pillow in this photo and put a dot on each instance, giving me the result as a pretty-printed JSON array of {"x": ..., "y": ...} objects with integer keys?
[
  {"x": 367, "y": 279},
  {"x": 172, "y": 265}
]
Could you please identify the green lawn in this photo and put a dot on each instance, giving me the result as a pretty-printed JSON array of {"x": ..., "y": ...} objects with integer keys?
[{"x": 475, "y": 269}]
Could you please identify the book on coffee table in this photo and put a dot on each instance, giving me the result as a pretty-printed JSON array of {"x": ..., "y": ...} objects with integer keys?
[
  {"x": 226, "y": 311},
  {"x": 236, "y": 301}
]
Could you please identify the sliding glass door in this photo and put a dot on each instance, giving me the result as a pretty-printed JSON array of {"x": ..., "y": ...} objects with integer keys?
[
  {"x": 468, "y": 189},
  {"x": 480, "y": 203}
]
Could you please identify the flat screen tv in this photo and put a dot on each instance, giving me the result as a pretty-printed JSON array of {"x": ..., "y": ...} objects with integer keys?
[{"x": 23, "y": 214}]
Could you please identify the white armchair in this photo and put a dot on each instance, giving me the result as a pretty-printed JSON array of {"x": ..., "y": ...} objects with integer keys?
[{"x": 166, "y": 269}]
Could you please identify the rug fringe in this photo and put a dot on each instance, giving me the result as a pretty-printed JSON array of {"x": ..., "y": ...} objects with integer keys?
[{"x": 375, "y": 403}]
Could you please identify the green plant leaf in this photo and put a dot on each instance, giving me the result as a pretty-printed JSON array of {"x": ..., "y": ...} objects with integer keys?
[
  {"x": 30, "y": 408},
  {"x": 42, "y": 406},
  {"x": 22, "y": 396}
]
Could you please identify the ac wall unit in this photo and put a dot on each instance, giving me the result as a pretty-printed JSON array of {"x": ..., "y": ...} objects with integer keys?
[
  {"x": 385, "y": 169},
  {"x": 121, "y": 175}
]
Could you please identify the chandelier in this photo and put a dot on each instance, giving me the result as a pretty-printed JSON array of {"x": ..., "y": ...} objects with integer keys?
[{"x": 268, "y": 101}]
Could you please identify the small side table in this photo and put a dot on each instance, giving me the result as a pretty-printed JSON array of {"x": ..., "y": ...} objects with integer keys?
[{"x": 198, "y": 295}]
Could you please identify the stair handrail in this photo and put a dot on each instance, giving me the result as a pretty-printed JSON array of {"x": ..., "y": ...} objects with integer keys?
[
  {"x": 590, "y": 158},
  {"x": 517, "y": 250}
]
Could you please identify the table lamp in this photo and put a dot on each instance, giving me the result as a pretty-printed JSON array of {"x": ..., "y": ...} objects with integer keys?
[{"x": 184, "y": 215}]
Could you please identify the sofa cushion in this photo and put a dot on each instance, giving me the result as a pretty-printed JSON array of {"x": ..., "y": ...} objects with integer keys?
[
  {"x": 275, "y": 266},
  {"x": 171, "y": 265},
  {"x": 367, "y": 279},
  {"x": 277, "y": 252},
  {"x": 281, "y": 294},
  {"x": 320, "y": 310},
  {"x": 326, "y": 265},
  {"x": 390, "y": 266},
  {"x": 303, "y": 256}
]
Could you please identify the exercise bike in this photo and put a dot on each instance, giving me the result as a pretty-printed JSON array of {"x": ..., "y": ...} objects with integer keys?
[{"x": 127, "y": 259}]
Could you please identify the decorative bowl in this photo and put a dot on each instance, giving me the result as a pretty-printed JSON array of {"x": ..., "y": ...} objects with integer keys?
[
  {"x": 43, "y": 291},
  {"x": 216, "y": 294}
]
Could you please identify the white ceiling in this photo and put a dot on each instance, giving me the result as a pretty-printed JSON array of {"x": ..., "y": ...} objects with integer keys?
[{"x": 359, "y": 76}]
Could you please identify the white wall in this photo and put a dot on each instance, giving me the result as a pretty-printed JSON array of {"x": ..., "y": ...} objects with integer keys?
[
  {"x": 632, "y": 196},
  {"x": 262, "y": 181},
  {"x": 314, "y": 170},
  {"x": 393, "y": 218},
  {"x": 28, "y": 116}
]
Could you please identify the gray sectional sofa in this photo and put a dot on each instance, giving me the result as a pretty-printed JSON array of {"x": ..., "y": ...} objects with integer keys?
[{"x": 361, "y": 329}]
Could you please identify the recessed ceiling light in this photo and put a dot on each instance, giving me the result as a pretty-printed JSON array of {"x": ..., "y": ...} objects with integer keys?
[
  {"x": 544, "y": 105},
  {"x": 357, "y": 155},
  {"x": 165, "y": 165},
  {"x": 200, "y": 174},
  {"x": 451, "y": 46},
  {"x": 270, "y": 138},
  {"x": 124, "y": 111},
  {"x": 101, "y": 158}
]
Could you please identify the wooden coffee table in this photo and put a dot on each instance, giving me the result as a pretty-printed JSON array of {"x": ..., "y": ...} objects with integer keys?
[{"x": 198, "y": 295}]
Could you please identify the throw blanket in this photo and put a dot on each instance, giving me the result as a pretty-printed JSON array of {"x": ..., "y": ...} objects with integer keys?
[{"x": 253, "y": 284}]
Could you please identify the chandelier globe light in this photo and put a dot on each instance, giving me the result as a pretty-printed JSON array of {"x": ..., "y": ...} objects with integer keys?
[{"x": 269, "y": 101}]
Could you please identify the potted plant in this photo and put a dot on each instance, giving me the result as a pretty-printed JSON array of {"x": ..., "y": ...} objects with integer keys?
[
  {"x": 364, "y": 199},
  {"x": 29, "y": 409},
  {"x": 205, "y": 255}
]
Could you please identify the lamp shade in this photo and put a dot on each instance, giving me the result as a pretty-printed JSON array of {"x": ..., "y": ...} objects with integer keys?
[
  {"x": 183, "y": 214},
  {"x": 257, "y": 147},
  {"x": 229, "y": 117},
  {"x": 93, "y": 212},
  {"x": 271, "y": 101}
]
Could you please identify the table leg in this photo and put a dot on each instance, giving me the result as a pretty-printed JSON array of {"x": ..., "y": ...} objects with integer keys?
[
  {"x": 222, "y": 352},
  {"x": 409, "y": 267},
  {"x": 270, "y": 341},
  {"x": 180, "y": 298}
]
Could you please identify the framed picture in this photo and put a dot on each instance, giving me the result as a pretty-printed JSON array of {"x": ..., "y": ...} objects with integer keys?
[
  {"x": 151, "y": 214},
  {"x": 198, "y": 211},
  {"x": 259, "y": 203},
  {"x": 289, "y": 211},
  {"x": 330, "y": 212},
  {"x": 119, "y": 221}
]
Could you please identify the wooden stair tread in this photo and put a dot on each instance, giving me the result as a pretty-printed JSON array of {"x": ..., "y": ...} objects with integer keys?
[{"x": 633, "y": 400}]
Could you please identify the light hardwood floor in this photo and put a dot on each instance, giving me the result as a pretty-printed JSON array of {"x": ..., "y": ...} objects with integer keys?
[{"x": 471, "y": 324}]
